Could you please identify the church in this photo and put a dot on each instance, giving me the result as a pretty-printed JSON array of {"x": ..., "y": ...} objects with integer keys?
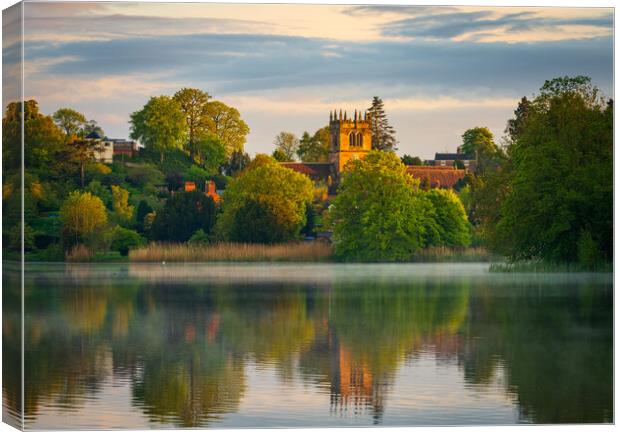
[{"x": 351, "y": 138}]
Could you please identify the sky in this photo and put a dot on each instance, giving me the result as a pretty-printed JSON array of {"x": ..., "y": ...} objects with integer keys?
[{"x": 439, "y": 70}]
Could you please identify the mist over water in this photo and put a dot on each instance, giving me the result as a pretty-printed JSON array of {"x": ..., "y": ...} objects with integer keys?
[{"x": 234, "y": 345}]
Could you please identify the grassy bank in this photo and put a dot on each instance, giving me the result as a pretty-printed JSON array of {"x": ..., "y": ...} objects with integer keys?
[
  {"x": 546, "y": 267},
  {"x": 233, "y": 252}
]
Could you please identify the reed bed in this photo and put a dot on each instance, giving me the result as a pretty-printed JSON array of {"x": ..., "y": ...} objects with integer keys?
[
  {"x": 232, "y": 252},
  {"x": 79, "y": 253},
  {"x": 449, "y": 254}
]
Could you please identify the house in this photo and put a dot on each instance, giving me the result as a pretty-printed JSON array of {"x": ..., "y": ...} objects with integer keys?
[
  {"x": 104, "y": 153},
  {"x": 449, "y": 159},
  {"x": 124, "y": 147}
]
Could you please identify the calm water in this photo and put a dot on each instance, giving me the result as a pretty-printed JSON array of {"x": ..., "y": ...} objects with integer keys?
[{"x": 154, "y": 346}]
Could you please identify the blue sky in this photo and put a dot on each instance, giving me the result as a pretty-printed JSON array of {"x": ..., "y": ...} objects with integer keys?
[{"x": 440, "y": 70}]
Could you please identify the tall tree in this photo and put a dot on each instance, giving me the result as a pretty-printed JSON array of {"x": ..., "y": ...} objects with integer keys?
[
  {"x": 70, "y": 121},
  {"x": 557, "y": 199},
  {"x": 411, "y": 160},
  {"x": 160, "y": 125},
  {"x": 287, "y": 143},
  {"x": 225, "y": 123},
  {"x": 236, "y": 163},
  {"x": 515, "y": 126},
  {"x": 314, "y": 148},
  {"x": 194, "y": 103},
  {"x": 83, "y": 152},
  {"x": 382, "y": 133},
  {"x": 479, "y": 142}
]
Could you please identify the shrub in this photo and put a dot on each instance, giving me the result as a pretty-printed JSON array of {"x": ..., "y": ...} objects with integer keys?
[
  {"x": 123, "y": 239},
  {"x": 199, "y": 238},
  {"x": 588, "y": 250}
]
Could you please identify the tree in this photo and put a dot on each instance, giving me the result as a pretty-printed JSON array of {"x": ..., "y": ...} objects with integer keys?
[
  {"x": 450, "y": 218},
  {"x": 280, "y": 156},
  {"x": 314, "y": 148},
  {"x": 378, "y": 214},
  {"x": 287, "y": 144},
  {"x": 122, "y": 209},
  {"x": 225, "y": 123},
  {"x": 194, "y": 104},
  {"x": 83, "y": 152},
  {"x": 479, "y": 142},
  {"x": 43, "y": 139},
  {"x": 382, "y": 133},
  {"x": 143, "y": 209},
  {"x": 81, "y": 215},
  {"x": 278, "y": 194},
  {"x": 237, "y": 162},
  {"x": 556, "y": 198},
  {"x": 183, "y": 214},
  {"x": 411, "y": 160},
  {"x": 515, "y": 126},
  {"x": 160, "y": 125},
  {"x": 91, "y": 126},
  {"x": 210, "y": 153},
  {"x": 70, "y": 121}
]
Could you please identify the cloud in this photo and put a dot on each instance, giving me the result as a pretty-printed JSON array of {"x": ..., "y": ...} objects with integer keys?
[{"x": 471, "y": 24}]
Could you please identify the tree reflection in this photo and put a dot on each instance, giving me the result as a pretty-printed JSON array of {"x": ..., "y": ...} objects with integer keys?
[{"x": 185, "y": 346}]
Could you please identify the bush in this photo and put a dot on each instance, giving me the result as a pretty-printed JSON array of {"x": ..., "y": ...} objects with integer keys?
[
  {"x": 199, "y": 238},
  {"x": 123, "y": 239},
  {"x": 183, "y": 215},
  {"x": 588, "y": 250}
]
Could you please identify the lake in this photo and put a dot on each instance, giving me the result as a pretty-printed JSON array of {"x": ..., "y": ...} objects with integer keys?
[{"x": 289, "y": 345}]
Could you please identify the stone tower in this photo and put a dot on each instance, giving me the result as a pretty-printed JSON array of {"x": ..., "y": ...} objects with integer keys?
[{"x": 351, "y": 138}]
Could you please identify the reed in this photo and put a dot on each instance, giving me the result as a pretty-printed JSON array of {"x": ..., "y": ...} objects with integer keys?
[
  {"x": 452, "y": 254},
  {"x": 79, "y": 253},
  {"x": 233, "y": 252}
]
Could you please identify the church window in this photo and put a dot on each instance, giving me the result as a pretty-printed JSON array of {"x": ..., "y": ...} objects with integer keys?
[{"x": 352, "y": 139}]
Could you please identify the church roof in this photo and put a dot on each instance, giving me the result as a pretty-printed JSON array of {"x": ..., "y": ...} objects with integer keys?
[
  {"x": 445, "y": 177},
  {"x": 315, "y": 170}
]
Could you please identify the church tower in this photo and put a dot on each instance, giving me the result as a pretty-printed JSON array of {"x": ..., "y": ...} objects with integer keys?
[{"x": 351, "y": 138}]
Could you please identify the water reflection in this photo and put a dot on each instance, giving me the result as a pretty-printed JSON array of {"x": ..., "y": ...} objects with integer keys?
[{"x": 194, "y": 350}]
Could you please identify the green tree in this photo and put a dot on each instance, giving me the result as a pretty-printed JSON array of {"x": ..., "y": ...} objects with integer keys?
[
  {"x": 124, "y": 239},
  {"x": 70, "y": 121},
  {"x": 225, "y": 123},
  {"x": 479, "y": 142},
  {"x": 286, "y": 145},
  {"x": 236, "y": 163},
  {"x": 278, "y": 193},
  {"x": 160, "y": 125},
  {"x": 194, "y": 104},
  {"x": 91, "y": 126},
  {"x": 557, "y": 194},
  {"x": 514, "y": 127},
  {"x": 378, "y": 213},
  {"x": 450, "y": 218},
  {"x": 383, "y": 135},
  {"x": 183, "y": 214},
  {"x": 83, "y": 151},
  {"x": 82, "y": 214},
  {"x": 143, "y": 209},
  {"x": 43, "y": 139},
  {"x": 411, "y": 160},
  {"x": 210, "y": 153},
  {"x": 314, "y": 148}
]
